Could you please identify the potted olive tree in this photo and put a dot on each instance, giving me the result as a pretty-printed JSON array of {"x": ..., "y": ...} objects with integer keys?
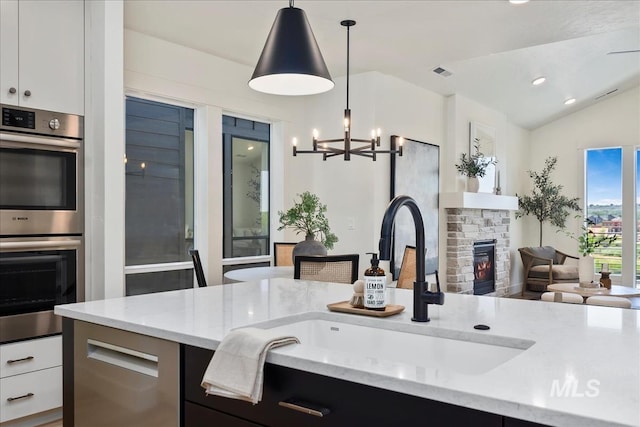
[
  {"x": 474, "y": 166},
  {"x": 307, "y": 216},
  {"x": 546, "y": 202}
]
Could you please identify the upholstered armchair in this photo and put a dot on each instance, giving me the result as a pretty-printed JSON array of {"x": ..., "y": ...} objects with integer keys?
[{"x": 545, "y": 265}]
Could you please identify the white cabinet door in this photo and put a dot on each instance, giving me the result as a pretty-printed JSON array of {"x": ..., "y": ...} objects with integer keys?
[
  {"x": 31, "y": 355},
  {"x": 42, "y": 54},
  {"x": 26, "y": 394},
  {"x": 9, "y": 51}
]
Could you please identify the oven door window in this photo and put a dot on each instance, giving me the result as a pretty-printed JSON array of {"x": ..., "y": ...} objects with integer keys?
[
  {"x": 37, "y": 179},
  {"x": 36, "y": 281}
]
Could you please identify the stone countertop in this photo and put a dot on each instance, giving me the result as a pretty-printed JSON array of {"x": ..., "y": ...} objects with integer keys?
[{"x": 583, "y": 370}]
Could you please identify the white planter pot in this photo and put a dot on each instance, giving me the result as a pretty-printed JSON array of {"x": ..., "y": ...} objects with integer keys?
[
  {"x": 586, "y": 269},
  {"x": 473, "y": 184}
]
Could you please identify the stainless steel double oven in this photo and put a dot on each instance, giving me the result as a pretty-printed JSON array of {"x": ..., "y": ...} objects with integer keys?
[{"x": 41, "y": 219}]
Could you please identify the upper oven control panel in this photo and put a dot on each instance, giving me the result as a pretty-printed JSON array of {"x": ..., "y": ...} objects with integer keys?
[{"x": 41, "y": 122}]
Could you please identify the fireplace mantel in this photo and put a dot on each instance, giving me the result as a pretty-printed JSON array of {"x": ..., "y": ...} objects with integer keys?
[{"x": 464, "y": 200}]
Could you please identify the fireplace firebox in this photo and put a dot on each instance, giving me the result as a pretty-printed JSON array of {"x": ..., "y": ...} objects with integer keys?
[{"x": 484, "y": 272}]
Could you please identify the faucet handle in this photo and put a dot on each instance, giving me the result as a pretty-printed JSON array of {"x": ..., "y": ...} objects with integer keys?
[{"x": 437, "y": 283}]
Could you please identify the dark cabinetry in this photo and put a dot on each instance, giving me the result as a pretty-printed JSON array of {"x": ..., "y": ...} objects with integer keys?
[{"x": 347, "y": 403}]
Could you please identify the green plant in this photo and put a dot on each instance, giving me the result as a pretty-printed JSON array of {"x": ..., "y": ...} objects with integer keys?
[
  {"x": 589, "y": 240},
  {"x": 545, "y": 202},
  {"x": 475, "y": 164},
  {"x": 307, "y": 216}
]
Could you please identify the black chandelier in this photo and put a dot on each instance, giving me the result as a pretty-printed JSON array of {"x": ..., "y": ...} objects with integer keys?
[{"x": 366, "y": 147}]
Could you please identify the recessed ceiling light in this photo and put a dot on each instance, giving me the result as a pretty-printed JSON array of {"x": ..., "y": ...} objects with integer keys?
[
  {"x": 539, "y": 81},
  {"x": 250, "y": 147},
  {"x": 570, "y": 101},
  {"x": 518, "y": 1}
]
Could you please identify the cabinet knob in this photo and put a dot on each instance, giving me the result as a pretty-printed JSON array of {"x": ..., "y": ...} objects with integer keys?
[
  {"x": 54, "y": 124},
  {"x": 27, "y": 93},
  {"x": 12, "y": 90}
]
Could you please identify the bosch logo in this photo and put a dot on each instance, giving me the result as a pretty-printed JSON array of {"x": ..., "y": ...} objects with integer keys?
[{"x": 20, "y": 218}]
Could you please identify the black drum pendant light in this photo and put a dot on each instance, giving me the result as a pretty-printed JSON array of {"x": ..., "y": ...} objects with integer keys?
[{"x": 291, "y": 62}]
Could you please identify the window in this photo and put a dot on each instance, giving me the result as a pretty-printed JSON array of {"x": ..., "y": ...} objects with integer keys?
[
  {"x": 246, "y": 188},
  {"x": 159, "y": 226},
  {"x": 608, "y": 198},
  {"x": 637, "y": 217}
]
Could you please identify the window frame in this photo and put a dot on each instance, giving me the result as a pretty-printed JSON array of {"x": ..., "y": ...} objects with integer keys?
[
  {"x": 198, "y": 184},
  {"x": 227, "y": 139},
  {"x": 628, "y": 275}
]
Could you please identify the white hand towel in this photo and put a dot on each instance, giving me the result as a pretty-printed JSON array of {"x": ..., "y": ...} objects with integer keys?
[{"x": 236, "y": 369}]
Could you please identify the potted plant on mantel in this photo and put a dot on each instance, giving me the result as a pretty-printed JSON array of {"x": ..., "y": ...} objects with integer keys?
[
  {"x": 474, "y": 166},
  {"x": 308, "y": 216}
]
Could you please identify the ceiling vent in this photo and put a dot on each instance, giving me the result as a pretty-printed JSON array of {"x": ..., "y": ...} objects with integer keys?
[
  {"x": 606, "y": 94},
  {"x": 442, "y": 72}
]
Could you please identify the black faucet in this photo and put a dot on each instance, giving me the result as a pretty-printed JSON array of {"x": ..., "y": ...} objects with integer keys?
[{"x": 422, "y": 297}]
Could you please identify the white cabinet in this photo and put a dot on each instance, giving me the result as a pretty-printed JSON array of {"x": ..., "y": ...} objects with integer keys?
[
  {"x": 42, "y": 54},
  {"x": 30, "y": 377}
]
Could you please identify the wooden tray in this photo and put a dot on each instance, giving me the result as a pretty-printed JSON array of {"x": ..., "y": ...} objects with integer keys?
[{"x": 345, "y": 307}]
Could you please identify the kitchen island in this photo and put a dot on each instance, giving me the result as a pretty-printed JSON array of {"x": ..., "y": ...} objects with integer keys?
[{"x": 572, "y": 365}]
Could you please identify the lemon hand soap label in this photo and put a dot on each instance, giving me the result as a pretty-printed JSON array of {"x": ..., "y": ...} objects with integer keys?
[{"x": 375, "y": 286}]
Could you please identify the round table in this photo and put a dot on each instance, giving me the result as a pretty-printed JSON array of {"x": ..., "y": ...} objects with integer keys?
[
  {"x": 615, "y": 291},
  {"x": 258, "y": 273}
]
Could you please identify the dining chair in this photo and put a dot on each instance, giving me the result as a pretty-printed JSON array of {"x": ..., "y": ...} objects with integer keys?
[
  {"x": 407, "y": 275},
  {"x": 283, "y": 253},
  {"x": 330, "y": 268},
  {"x": 197, "y": 267}
]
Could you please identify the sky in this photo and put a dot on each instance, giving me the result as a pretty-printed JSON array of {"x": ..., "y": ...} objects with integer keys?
[{"x": 604, "y": 176}]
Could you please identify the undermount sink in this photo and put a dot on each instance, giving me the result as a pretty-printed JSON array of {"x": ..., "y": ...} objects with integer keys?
[{"x": 418, "y": 345}]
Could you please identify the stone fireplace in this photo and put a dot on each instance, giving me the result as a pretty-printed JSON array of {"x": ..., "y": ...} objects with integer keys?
[{"x": 480, "y": 219}]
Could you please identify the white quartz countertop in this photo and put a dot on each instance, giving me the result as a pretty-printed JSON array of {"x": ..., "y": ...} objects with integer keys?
[{"x": 589, "y": 354}]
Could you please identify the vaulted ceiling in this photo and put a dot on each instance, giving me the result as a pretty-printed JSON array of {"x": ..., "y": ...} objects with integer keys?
[{"x": 492, "y": 48}]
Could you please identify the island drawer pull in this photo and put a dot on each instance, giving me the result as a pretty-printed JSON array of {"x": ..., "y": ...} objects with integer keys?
[
  {"x": 123, "y": 357},
  {"x": 24, "y": 396},
  {"x": 24, "y": 359},
  {"x": 305, "y": 407}
]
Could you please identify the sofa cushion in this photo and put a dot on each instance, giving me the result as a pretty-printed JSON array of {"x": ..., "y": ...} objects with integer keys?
[{"x": 558, "y": 272}]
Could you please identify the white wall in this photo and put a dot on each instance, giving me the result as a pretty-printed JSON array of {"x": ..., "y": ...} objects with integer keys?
[
  {"x": 104, "y": 149},
  {"x": 357, "y": 192},
  {"x": 611, "y": 123},
  {"x": 512, "y": 147},
  {"x": 157, "y": 69}
]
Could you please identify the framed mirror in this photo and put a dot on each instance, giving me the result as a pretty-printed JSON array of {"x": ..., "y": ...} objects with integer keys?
[{"x": 484, "y": 138}]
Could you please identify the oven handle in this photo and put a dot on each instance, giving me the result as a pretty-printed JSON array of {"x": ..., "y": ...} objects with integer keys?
[
  {"x": 40, "y": 244},
  {"x": 25, "y": 141}
]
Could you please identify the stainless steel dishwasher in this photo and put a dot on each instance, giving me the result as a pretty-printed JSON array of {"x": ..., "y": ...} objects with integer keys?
[{"x": 124, "y": 379}]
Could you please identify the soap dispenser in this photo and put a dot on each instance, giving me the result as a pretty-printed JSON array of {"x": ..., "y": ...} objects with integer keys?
[{"x": 375, "y": 285}]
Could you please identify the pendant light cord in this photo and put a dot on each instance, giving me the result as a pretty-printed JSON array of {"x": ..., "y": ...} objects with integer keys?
[
  {"x": 348, "y": 67},
  {"x": 290, "y": 3}
]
